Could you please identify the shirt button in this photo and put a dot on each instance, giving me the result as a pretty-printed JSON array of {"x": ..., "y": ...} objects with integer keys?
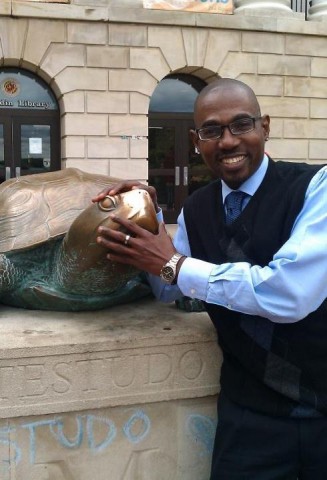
[{"x": 193, "y": 291}]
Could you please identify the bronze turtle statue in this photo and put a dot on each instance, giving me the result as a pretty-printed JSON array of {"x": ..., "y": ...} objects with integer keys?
[{"x": 49, "y": 258}]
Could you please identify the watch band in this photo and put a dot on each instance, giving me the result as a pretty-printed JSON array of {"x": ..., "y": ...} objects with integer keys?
[{"x": 169, "y": 270}]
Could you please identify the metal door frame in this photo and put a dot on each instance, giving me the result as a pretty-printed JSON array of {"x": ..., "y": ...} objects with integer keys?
[
  {"x": 12, "y": 121},
  {"x": 182, "y": 123}
]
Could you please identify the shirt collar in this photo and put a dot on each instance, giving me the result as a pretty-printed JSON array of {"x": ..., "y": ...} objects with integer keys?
[{"x": 251, "y": 185}]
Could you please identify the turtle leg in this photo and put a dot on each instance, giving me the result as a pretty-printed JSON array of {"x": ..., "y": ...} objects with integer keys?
[
  {"x": 10, "y": 275},
  {"x": 41, "y": 296}
]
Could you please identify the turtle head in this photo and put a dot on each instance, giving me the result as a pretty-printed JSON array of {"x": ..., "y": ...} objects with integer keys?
[
  {"x": 81, "y": 263},
  {"x": 135, "y": 205},
  {"x": 80, "y": 240}
]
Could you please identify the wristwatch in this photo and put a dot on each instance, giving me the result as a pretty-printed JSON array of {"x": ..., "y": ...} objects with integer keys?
[{"x": 169, "y": 270}]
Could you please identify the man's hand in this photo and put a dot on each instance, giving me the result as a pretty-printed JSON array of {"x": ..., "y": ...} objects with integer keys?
[
  {"x": 125, "y": 186},
  {"x": 143, "y": 250}
]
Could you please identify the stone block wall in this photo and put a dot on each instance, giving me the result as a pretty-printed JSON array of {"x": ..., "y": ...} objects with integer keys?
[{"x": 103, "y": 62}]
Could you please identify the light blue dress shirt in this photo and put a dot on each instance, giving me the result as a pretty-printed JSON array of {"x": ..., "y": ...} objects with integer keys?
[{"x": 286, "y": 290}]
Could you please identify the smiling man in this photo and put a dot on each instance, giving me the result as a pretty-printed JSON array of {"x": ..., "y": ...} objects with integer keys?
[
  {"x": 252, "y": 245},
  {"x": 231, "y": 132}
]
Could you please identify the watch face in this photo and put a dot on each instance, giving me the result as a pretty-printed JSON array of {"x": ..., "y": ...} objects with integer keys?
[{"x": 168, "y": 274}]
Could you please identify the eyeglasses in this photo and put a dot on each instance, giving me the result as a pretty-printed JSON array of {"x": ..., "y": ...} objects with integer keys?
[{"x": 213, "y": 132}]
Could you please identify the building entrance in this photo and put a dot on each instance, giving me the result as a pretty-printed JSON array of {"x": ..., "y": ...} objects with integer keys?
[
  {"x": 175, "y": 169},
  {"x": 29, "y": 125}
]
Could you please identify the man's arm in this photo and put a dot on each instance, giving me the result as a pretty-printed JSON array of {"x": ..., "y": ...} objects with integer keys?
[
  {"x": 169, "y": 293},
  {"x": 293, "y": 284}
]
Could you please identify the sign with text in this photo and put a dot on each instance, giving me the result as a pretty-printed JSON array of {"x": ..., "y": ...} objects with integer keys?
[
  {"x": 196, "y": 6},
  {"x": 35, "y": 146}
]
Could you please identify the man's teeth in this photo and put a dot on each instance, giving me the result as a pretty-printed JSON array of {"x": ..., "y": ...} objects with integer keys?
[{"x": 232, "y": 160}]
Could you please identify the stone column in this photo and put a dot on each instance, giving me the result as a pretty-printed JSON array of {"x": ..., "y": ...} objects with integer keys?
[
  {"x": 261, "y": 5},
  {"x": 317, "y": 10}
]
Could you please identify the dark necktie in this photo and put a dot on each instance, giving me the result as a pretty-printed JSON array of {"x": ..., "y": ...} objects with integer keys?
[{"x": 233, "y": 203}]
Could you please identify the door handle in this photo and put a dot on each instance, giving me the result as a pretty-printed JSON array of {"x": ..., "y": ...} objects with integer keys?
[
  {"x": 7, "y": 173},
  {"x": 177, "y": 177},
  {"x": 185, "y": 176}
]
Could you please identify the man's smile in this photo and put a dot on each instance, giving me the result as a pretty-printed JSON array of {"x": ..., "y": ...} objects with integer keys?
[{"x": 233, "y": 160}]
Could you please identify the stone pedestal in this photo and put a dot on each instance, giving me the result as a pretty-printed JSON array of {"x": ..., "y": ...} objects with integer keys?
[{"x": 126, "y": 393}]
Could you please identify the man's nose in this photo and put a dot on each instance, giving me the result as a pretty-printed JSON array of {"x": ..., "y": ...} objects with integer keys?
[{"x": 227, "y": 139}]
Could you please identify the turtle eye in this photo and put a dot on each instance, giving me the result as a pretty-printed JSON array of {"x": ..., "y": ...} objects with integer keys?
[{"x": 108, "y": 204}]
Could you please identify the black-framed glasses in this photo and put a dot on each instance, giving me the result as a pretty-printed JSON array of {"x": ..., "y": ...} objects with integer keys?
[{"x": 213, "y": 132}]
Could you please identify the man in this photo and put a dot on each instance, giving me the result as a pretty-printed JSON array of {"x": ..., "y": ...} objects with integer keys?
[{"x": 263, "y": 278}]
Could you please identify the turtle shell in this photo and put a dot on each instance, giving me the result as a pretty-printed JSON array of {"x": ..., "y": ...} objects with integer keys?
[{"x": 37, "y": 208}]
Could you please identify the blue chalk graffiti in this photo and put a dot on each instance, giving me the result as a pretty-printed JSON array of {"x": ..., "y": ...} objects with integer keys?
[
  {"x": 112, "y": 431},
  {"x": 32, "y": 431},
  {"x": 137, "y": 417},
  {"x": 202, "y": 430},
  {"x": 85, "y": 427},
  {"x": 58, "y": 433},
  {"x": 14, "y": 447}
]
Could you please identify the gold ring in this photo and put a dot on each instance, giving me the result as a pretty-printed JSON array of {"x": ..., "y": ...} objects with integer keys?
[{"x": 127, "y": 239}]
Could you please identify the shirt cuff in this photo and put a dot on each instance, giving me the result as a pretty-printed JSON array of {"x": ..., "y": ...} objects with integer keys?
[
  {"x": 160, "y": 216},
  {"x": 193, "y": 278}
]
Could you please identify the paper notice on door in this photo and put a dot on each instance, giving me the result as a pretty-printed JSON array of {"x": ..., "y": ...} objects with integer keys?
[{"x": 35, "y": 146}]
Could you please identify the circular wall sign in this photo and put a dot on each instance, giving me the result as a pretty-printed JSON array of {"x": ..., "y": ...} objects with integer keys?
[{"x": 10, "y": 87}]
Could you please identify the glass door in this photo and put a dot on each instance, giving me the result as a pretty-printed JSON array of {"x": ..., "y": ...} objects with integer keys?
[
  {"x": 175, "y": 170},
  {"x": 164, "y": 172},
  {"x": 34, "y": 148},
  {"x": 2, "y": 148},
  {"x": 5, "y": 148},
  {"x": 29, "y": 143}
]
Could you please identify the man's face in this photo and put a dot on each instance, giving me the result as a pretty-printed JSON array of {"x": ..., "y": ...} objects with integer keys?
[{"x": 233, "y": 158}]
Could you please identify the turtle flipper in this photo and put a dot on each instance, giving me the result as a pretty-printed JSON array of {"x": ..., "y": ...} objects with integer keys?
[
  {"x": 43, "y": 297},
  {"x": 10, "y": 275}
]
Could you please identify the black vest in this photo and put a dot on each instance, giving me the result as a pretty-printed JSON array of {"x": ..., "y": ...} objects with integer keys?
[{"x": 279, "y": 369}]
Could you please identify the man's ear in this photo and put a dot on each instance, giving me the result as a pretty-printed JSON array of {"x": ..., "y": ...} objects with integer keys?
[
  {"x": 266, "y": 125},
  {"x": 195, "y": 139}
]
